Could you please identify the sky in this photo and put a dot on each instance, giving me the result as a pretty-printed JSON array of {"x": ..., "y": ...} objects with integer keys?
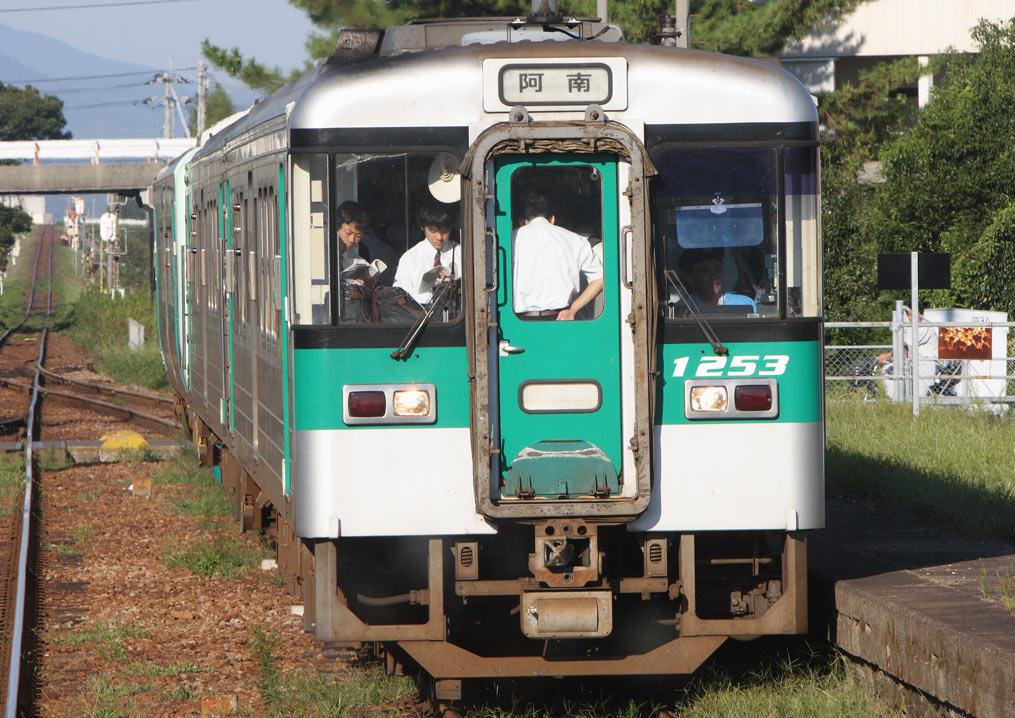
[{"x": 155, "y": 32}]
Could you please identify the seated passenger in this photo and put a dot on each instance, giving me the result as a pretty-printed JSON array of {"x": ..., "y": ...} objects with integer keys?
[
  {"x": 436, "y": 249},
  {"x": 704, "y": 268},
  {"x": 351, "y": 221}
]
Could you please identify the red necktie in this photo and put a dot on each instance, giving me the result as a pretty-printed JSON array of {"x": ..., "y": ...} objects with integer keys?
[{"x": 437, "y": 259}]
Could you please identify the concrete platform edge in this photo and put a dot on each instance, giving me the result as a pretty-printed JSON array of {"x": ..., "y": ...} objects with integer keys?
[{"x": 907, "y": 627}]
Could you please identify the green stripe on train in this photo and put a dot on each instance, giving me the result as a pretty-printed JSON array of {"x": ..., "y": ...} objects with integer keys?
[
  {"x": 320, "y": 375},
  {"x": 795, "y": 365}
]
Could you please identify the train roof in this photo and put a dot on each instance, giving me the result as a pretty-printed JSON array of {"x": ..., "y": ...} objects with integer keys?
[
  {"x": 445, "y": 87},
  {"x": 379, "y": 79}
]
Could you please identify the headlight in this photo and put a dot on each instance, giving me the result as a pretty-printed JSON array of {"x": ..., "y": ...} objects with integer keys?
[
  {"x": 411, "y": 402},
  {"x": 709, "y": 398}
]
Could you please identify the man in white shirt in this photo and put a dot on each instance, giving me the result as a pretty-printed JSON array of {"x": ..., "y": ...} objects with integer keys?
[
  {"x": 549, "y": 262},
  {"x": 436, "y": 249}
]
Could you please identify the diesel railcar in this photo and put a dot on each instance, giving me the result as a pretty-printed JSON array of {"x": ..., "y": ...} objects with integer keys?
[{"x": 472, "y": 488}]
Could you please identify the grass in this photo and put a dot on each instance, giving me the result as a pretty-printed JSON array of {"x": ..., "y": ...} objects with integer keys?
[
  {"x": 792, "y": 680},
  {"x": 360, "y": 690},
  {"x": 78, "y": 546},
  {"x": 1001, "y": 586},
  {"x": 12, "y": 483},
  {"x": 222, "y": 555},
  {"x": 207, "y": 500},
  {"x": 108, "y": 638},
  {"x": 98, "y": 322},
  {"x": 949, "y": 465},
  {"x": 54, "y": 459},
  {"x": 105, "y": 699}
]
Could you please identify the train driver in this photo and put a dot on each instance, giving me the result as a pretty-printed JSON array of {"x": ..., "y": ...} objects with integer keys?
[
  {"x": 549, "y": 262},
  {"x": 436, "y": 249},
  {"x": 704, "y": 268}
]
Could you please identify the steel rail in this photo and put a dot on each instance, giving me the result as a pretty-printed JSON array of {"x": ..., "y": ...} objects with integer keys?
[
  {"x": 88, "y": 401},
  {"x": 14, "y": 675},
  {"x": 102, "y": 389}
]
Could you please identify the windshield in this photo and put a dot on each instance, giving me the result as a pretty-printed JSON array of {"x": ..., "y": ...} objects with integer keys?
[{"x": 714, "y": 212}]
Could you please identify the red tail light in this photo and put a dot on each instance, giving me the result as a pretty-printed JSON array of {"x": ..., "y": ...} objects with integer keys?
[
  {"x": 753, "y": 398},
  {"x": 366, "y": 403}
]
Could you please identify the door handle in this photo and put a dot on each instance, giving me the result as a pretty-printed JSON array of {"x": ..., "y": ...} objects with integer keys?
[{"x": 506, "y": 348}]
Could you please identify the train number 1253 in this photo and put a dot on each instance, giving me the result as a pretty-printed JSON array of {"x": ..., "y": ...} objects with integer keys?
[{"x": 746, "y": 365}]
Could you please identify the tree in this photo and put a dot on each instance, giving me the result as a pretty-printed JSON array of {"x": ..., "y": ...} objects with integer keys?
[
  {"x": 12, "y": 222},
  {"x": 27, "y": 115},
  {"x": 948, "y": 180},
  {"x": 858, "y": 119},
  {"x": 217, "y": 106},
  {"x": 732, "y": 26}
]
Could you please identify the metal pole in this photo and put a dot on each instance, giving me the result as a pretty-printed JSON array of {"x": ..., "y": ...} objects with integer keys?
[
  {"x": 202, "y": 89},
  {"x": 603, "y": 10},
  {"x": 914, "y": 316},
  {"x": 682, "y": 15},
  {"x": 167, "y": 127},
  {"x": 899, "y": 351}
]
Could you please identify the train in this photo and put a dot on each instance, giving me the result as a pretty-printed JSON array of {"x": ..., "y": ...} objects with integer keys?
[{"x": 469, "y": 484}]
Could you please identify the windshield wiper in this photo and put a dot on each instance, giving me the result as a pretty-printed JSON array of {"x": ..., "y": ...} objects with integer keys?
[
  {"x": 436, "y": 300},
  {"x": 717, "y": 346}
]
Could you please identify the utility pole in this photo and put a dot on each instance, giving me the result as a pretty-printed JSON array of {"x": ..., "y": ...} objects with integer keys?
[
  {"x": 167, "y": 126},
  {"x": 169, "y": 100},
  {"x": 202, "y": 93}
]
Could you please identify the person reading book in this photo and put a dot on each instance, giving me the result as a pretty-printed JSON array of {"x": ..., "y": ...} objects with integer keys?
[{"x": 437, "y": 249}]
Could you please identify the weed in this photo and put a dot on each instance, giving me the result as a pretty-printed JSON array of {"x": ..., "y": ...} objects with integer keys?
[
  {"x": 359, "y": 691},
  {"x": 225, "y": 555},
  {"x": 53, "y": 458},
  {"x": 108, "y": 638},
  {"x": 1004, "y": 590},
  {"x": 172, "y": 669},
  {"x": 12, "y": 483},
  {"x": 144, "y": 455},
  {"x": 104, "y": 699},
  {"x": 78, "y": 545},
  {"x": 186, "y": 692}
]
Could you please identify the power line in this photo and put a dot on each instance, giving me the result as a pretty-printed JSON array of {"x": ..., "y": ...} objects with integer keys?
[
  {"x": 125, "y": 3},
  {"x": 94, "y": 77},
  {"x": 106, "y": 104}
]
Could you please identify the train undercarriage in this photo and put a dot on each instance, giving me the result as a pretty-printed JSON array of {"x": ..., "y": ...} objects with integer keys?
[{"x": 553, "y": 597}]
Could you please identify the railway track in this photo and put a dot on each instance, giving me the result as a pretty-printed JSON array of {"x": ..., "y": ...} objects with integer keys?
[{"x": 25, "y": 386}]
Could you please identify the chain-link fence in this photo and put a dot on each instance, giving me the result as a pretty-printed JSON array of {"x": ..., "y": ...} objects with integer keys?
[{"x": 961, "y": 358}]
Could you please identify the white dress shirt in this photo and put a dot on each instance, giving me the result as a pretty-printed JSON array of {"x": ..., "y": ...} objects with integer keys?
[
  {"x": 548, "y": 264},
  {"x": 419, "y": 259}
]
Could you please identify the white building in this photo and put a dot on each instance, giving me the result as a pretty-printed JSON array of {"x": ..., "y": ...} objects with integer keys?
[
  {"x": 886, "y": 30},
  {"x": 34, "y": 205}
]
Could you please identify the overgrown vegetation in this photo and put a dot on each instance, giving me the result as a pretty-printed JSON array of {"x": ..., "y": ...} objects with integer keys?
[
  {"x": 12, "y": 483},
  {"x": 790, "y": 681},
  {"x": 359, "y": 690},
  {"x": 227, "y": 556},
  {"x": 951, "y": 466},
  {"x": 98, "y": 322},
  {"x": 1002, "y": 586}
]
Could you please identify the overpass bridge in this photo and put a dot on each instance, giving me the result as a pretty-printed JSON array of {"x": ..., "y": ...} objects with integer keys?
[{"x": 113, "y": 166}]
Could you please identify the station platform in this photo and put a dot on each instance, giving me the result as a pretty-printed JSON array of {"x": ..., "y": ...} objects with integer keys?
[{"x": 918, "y": 608}]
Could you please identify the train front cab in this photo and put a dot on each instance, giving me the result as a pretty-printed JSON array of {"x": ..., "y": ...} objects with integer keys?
[{"x": 617, "y": 508}]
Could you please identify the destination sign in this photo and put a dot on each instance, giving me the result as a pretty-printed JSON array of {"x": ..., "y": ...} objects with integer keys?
[{"x": 556, "y": 84}]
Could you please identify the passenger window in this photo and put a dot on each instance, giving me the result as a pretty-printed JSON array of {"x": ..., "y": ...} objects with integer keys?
[
  {"x": 311, "y": 256},
  {"x": 557, "y": 242}
]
